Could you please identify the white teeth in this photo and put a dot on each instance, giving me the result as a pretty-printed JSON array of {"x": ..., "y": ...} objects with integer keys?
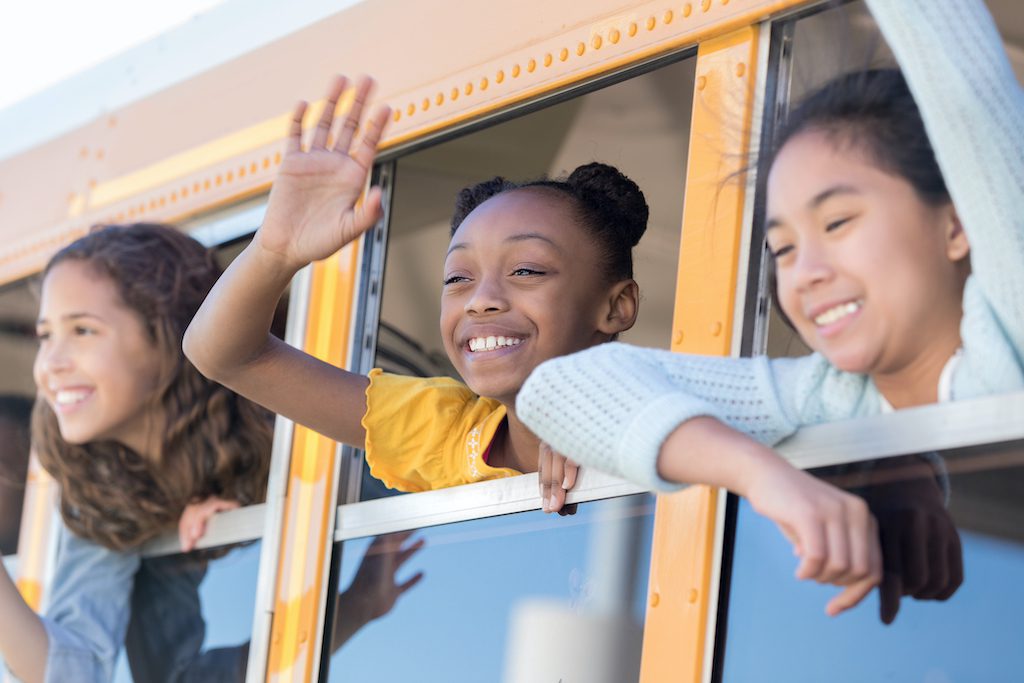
[
  {"x": 492, "y": 343},
  {"x": 68, "y": 396},
  {"x": 836, "y": 313}
]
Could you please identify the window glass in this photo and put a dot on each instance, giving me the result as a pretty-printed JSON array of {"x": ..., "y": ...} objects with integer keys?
[
  {"x": 192, "y": 617},
  {"x": 640, "y": 126},
  {"x": 18, "y": 309},
  {"x": 480, "y": 577},
  {"x": 776, "y": 628}
]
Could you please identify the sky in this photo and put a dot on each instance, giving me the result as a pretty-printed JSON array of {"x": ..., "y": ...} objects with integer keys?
[{"x": 43, "y": 42}]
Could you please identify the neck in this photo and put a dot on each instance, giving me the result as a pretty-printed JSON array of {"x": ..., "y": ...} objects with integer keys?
[
  {"x": 917, "y": 382},
  {"x": 520, "y": 447}
]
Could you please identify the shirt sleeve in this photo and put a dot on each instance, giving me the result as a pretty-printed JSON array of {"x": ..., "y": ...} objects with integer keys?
[
  {"x": 415, "y": 427},
  {"x": 611, "y": 407},
  {"x": 973, "y": 108},
  {"x": 88, "y": 613}
]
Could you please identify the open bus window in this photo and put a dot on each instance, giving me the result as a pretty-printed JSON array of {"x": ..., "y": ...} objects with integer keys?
[
  {"x": 776, "y": 628},
  {"x": 481, "y": 578},
  {"x": 192, "y": 617},
  {"x": 640, "y": 125},
  {"x": 18, "y": 309}
]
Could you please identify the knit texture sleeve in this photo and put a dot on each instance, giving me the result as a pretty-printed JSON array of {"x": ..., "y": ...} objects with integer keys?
[
  {"x": 612, "y": 406},
  {"x": 973, "y": 108}
]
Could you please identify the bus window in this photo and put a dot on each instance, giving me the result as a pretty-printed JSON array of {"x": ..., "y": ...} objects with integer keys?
[
  {"x": 459, "y": 621},
  {"x": 192, "y": 616},
  {"x": 776, "y": 628},
  {"x": 18, "y": 308},
  {"x": 639, "y": 125}
]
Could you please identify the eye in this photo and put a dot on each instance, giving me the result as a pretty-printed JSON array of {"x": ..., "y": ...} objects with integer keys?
[
  {"x": 454, "y": 280},
  {"x": 82, "y": 331},
  {"x": 836, "y": 224},
  {"x": 42, "y": 335},
  {"x": 781, "y": 251},
  {"x": 527, "y": 271}
]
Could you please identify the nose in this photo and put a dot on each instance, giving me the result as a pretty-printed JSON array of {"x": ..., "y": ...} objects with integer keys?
[
  {"x": 812, "y": 266},
  {"x": 487, "y": 297},
  {"x": 53, "y": 357}
]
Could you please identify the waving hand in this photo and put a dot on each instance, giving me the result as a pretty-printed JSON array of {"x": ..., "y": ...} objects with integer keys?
[{"x": 313, "y": 209}]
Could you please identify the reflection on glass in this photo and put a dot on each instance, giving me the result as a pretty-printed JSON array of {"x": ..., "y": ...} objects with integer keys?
[
  {"x": 15, "y": 414},
  {"x": 191, "y": 617},
  {"x": 952, "y": 588},
  {"x": 454, "y": 623}
]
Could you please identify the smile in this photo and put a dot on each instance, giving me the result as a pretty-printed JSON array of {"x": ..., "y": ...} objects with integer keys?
[
  {"x": 478, "y": 344},
  {"x": 837, "y": 313},
  {"x": 69, "y": 399}
]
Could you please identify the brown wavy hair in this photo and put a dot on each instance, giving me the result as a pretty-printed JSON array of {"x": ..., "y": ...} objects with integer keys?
[{"x": 215, "y": 442}]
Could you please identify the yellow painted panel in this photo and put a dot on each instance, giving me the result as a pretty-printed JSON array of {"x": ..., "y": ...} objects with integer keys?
[
  {"x": 684, "y": 527},
  {"x": 307, "y": 532}
]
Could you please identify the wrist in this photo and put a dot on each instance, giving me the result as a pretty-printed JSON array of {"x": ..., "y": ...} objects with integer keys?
[{"x": 273, "y": 263}]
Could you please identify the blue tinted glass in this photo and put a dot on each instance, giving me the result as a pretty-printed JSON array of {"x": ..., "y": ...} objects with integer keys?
[
  {"x": 454, "y": 624},
  {"x": 776, "y": 626},
  {"x": 192, "y": 617}
]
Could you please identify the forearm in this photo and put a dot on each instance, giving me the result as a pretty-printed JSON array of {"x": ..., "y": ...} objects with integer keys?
[
  {"x": 351, "y": 615},
  {"x": 231, "y": 330},
  {"x": 703, "y": 450},
  {"x": 23, "y": 641}
]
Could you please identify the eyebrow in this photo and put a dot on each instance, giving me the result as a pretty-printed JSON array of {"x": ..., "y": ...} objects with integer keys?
[
  {"x": 817, "y": 201},
  {"x": 521, "y": 237},
  {"x": 72, "y": 316}
]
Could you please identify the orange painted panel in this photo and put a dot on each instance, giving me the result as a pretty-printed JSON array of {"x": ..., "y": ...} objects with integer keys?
[
  {"x": 35, "y": 538},
  {"x": 307, "y": 530},
  {"x": 684, "y": 523},
  {"x": 220, "y": 133}
]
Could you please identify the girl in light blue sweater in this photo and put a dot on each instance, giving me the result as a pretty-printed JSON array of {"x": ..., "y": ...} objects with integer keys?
[{"x": 907, "y": 282}]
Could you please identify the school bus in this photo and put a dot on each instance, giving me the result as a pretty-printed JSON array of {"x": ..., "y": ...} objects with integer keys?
[{"x": 680, "y": 95}]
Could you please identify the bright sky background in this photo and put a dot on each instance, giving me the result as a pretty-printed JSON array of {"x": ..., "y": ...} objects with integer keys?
[{"x": 42, "y": 42}]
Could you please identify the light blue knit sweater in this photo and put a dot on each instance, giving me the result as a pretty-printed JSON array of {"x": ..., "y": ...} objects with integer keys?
[{"x": 612, "y": 406}]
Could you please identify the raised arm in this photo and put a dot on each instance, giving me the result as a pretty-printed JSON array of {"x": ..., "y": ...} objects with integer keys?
[
  {"x": 23, "y": 642},
  {"x": 313, "y": 211},
  {"x": 973, "y": 108}
]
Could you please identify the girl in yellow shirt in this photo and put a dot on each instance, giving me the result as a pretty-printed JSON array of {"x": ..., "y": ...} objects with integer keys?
[{"x": 533, "y": 271}]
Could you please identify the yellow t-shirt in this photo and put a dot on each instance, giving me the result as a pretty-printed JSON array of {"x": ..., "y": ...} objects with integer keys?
[{"x": 424, "y": 434}]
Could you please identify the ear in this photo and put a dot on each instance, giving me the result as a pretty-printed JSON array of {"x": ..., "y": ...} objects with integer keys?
[
  {"x": 623, "y": 305},
  {"x": 957, "y": 247}
]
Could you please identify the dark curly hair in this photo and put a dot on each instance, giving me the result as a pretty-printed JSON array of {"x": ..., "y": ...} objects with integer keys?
[
  {"x": 215, "y": 442},
  {"x": 609, "y": 206}
]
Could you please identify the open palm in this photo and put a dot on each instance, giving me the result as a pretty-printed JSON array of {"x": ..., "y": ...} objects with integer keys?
[{"x": 314, "y": 207}]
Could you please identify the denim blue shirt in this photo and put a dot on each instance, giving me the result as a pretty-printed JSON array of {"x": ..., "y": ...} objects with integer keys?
[{"x": 102, "y": 598}]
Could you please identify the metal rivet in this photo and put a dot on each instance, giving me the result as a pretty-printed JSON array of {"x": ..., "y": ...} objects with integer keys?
[
  {"x": 651, "y": 23},
  {"x": 484, "y": 83},
  {"x": 454, "y": 95},
  {"x": 741, "y": 69},
  {"x": 687, "y": 9},
  {"x": 499, "y": 77},
  {"x": 596, "y": 42},
  {"x": 655, "y": 599},
  {"x": 515, "y": 71},
  {"x": 411, "y": 109},
  {"x": 548, "y": 59},
  {"x": 632, "y": 29},
  {"x": 563, "y": 55},
  {"x": 705, "y": 5},
  {"x": 716, "y": 329},
  {"x": 397, "y": 115},
  {"x": 669, "y": 16},
  {"x": 614, "y": 36},
  {"x": 678, "y": 338},
  {"x": 531, "y": 66},
  {"x": 425, "y": 104},
  {"x": 439, "y": 99},
  {"x": 580, "y": 49},
  {"x": 702, "y": 82},
  {"x": 468, "y": 89},
  {"x": 693, "y": 595}
]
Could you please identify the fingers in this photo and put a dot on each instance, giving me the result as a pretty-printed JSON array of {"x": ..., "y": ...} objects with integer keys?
[
  {"x": 366, "y": 149},
  {"x": 355, "y": 112},
  {"x": 544, "y": 456},
  {"x": 571, "y": 470},
  {"x": 406, "y": 585},
  {"x": 850, "y": 596},
  {"x": 295, "y": 130},
  {"x": 405, "y": 553},
  {"x": 323, "y": 125}
]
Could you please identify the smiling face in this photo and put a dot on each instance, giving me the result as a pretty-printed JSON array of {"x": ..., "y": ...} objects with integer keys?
[
  {"x": 870, "y": 275},
  {"x": 523, "y": 282},
  {"x": 96, "y": 368}
]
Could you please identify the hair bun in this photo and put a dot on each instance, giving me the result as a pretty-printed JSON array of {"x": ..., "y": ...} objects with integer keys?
[{"x": 611, "y": 193}]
